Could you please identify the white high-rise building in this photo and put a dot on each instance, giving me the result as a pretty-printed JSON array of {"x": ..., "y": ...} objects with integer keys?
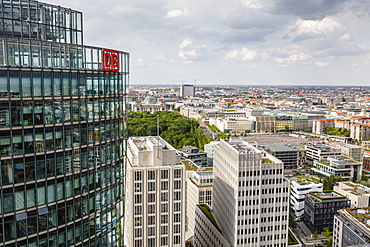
[
  {"x": 250, "y": 195},
  {"x": 155, "y": 194},
  {"x": 187, "y": 90}
]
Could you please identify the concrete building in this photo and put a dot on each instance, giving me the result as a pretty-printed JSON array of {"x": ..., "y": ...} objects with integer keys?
[
  {"x": 265, "y": 124},
  {"x": 194, "y": 154},
  {"x": 298, "y": 190},
  {"x": 199, "y": 191},
  {"x": 62, "y": 119},
  {"x": 345, "y": 167},
  {"x": 351, "y": 228},
  {"x": 155, "y": 194},
  {"x": 358, "y": 194},
  {"x": 250, "y": 195},
  {"x": 207, "y": 231},
  {"x": 291, "y": 156},
  {"x": 238, "y": 125},
  {"x": 187, "y": 90},
  {"x": 319, "y": 126},
  {"x": 353, "y": 151},
  {"x": 320, "y": 152},
  {"x": 320, "y": 208}
]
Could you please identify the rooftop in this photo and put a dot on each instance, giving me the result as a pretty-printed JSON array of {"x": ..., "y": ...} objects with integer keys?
[
  {"x": 279, "y": 148},
  {"x": 206, "y": 210},
  {"x": 327, "y": 195}
]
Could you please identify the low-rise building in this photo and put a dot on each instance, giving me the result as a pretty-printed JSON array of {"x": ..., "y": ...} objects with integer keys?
[
  {"x": 351, "y": 228},
  {"x": 291, "y": 156},
  {"x": 298, "y": 190},
  {"x": 320, "y": 152},
  {"x": 320, "y": 208},
  {"x": 358, "y": 194},
  {"x": 343, "y": 166},
  {"x": 353, "y": 151},
  {"x": 194, "y": 154}
]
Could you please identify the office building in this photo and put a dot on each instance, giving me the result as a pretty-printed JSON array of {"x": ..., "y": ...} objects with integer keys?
[
  {"x": 187, "y": 90},
  {"x": 199, "y": 191},
  {"x": 320, "y": 208},
  {"x": 250, "y": 195},
  {"x": 345, "y": 167},
  {"x": 155, "y": 194},
  {"x": 298, "y": 190},
  {"x": 351, "y": 228},
  {"x": 358, "y": 194},
  {"x": 320, "y": 152},
  {"x": 194, "y": 154},
  {"x": 291, "y": 156},
  {"x": 62, "y": 107}
]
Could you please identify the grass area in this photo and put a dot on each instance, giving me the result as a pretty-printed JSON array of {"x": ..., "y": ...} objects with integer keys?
[
  {"x": 205, "y": 209},
  {"x": 291, "y": 239},
  {"x": 267, "y": 161}
]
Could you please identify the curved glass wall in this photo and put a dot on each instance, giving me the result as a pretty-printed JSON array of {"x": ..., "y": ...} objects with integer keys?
[{"x": 62, "y": 132}]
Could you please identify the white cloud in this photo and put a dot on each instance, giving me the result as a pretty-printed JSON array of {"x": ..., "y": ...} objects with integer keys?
[
  {"x": 189, "y": 51},
  {"x": 321, "y": 64},
  {"x": 244, "y": 54},
  {"x": 177, "y": 13}
]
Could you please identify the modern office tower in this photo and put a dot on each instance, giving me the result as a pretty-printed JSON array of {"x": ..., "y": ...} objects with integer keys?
[
  {"x": 298, "y": 190},
  {"x": 62, "y": 126},
  {"x": 187, "y": 90},
  {"x": 320, "y": 208},
  {"x": 155, "y": 194},
  {"x": 351, "y": 228},
  {"x": 250, "y": 195}
]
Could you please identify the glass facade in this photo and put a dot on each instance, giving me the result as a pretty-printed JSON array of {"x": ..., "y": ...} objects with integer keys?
[{"x": 62, "y": 131}]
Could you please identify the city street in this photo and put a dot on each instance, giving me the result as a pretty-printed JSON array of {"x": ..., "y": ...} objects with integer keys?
[{"x": 305, "y": 236}]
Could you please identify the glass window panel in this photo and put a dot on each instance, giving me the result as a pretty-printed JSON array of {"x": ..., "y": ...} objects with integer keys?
[
  {"x": 8, "y": 203},
  {"x": 31, "y": 198},
  {"x": 51, "y": 193},
  {"x": 41, "y": 196},
  {"x": 19, "y": 200}
]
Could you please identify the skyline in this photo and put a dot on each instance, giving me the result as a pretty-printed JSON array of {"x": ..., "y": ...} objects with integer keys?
[{"x": 248, "y": 42}]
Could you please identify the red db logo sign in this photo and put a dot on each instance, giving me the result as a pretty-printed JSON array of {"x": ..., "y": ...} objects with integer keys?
[{"x": 110, "y": 60}]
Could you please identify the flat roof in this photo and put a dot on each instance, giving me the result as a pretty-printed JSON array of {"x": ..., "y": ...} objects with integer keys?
[{"x": 279, "y": 147}]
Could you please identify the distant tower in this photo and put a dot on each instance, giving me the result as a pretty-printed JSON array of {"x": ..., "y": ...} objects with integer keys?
[
  {"x": 250, "y": 195},
  {"x": 155, "y": 194},
  {"x": 187, "y": 90}
]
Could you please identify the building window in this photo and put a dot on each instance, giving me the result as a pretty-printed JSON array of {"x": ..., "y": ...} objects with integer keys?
[
  {"x": 137, "y": 175},
  {"x": 164, "y": 174}
]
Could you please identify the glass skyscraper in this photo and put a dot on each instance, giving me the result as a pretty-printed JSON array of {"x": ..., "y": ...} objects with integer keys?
[{"x": 62, "y": 130}]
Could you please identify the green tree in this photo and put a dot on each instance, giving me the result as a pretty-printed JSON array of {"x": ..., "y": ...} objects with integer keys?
[
  {"x": 330, "y": 182},
  {"x": 329, "y": 242},
  {"x": 326, "y": 232},
  {"x": 315, "y": 235},
  {"x": 292, "y": 222}
]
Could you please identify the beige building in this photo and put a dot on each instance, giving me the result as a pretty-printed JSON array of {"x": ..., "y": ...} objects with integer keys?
[
  {"x": 358, "y": 194},
  {"x": 265, "y": 124},
  {"x": 155, "y": 194}
]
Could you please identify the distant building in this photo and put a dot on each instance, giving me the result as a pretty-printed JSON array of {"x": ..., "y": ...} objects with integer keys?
[
  {"x": 194, "y": 154},
  {"x": 345, "y": 167},
  {"x": 351, "y": 228},
  {"x": 366, "y": 164},
  {"x": 151, "y": 104},
  {"x": 155, "y": 194},
  {"x": 250, "y": 195},
  {"x": 358, "y": 194},
  {"x": 240, "y": 125},
  {"x": 353, "y": 151},
  {"x": 291, "y": 156},
  {"x": 209, "y": 148},
  {"x": 265, "y": 124},
  {"x": 298, "y": 191},
  {"x": 187, "y": 90},
  {"x": 321, "y": 152},
  {"x": 320, "y": 208}
]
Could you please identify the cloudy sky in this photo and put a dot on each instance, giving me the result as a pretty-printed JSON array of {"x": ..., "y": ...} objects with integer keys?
[{"x": 234, "y": 42}]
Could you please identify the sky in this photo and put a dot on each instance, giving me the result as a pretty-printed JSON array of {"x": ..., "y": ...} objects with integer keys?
[{"x": 234, "y": 42}]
